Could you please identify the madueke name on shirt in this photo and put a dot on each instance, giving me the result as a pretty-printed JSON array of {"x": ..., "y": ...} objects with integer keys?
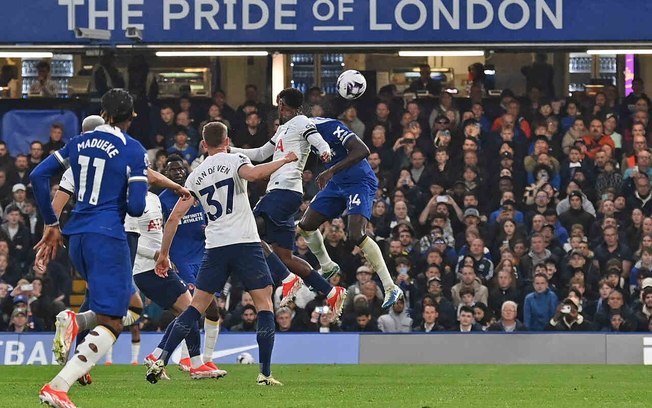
[{"x": 104, "y": 145}]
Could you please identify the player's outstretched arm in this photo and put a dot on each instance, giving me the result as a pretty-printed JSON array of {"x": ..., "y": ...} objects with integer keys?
[
  {"x": 157, "y": 179},
  {"x": 40, "y": 178},
  {"x": 170, "y": 229},
  {"x": 356, "y": 152},
  {"x": 317, "y": 141},
  {"x": 258, "y": 154},
  {"x": 262, "y": 171}
]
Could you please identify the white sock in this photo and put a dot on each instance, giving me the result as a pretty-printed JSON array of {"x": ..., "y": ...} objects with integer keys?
[
  {"x": 289, "y": 278},
  {"x": 109, "y": 355},
  {"x": 196, "y": 361},
  {"x": 135, "y": 350},
  {"x": 184, "y": 350},
  {"x": 157, "y": 353},
  {"x": 372, "y": 253},
  {"x": 97, "y": 343},
  {"x": 130, "y": 318},
  {"x": 315, "y": 242},
  {"x": 211, "y": 331},
  {"x": 86, "y": 320}
]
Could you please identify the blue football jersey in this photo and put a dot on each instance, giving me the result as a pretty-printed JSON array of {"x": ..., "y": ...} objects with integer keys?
[
  {"x": 336, "y": 134},
  {"x": 188, "y": 244},
  {"x": 103, "y": 163}
]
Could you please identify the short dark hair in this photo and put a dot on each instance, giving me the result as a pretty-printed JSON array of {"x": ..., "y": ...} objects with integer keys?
[
  {"x": 541, "y": 275},
  {"x": 43, "y": 64},
  {"x": 11, "y": 209},
  {"x": 248, "y": 307},
  {"x": 57, "y": 125},
  {"x": 292, "y": 97},
  {"x": 467, "y": 291},
  {"x": 174, "y": 157},
  {"x": 214, "y": 133},
  {"x": 467, "y": 309}
]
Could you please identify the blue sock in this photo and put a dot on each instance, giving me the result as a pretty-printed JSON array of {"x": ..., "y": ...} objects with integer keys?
[
  {"x": 193, "y": 340},
  {"x": 277, "y": 268},
  {"x": 183, "y": 325},
  {"x": 318, "y": 283},
  {"x": 83, "y": 308},
  {"x": 164, "y": 340},
  {"x": 265, "y": 339}
]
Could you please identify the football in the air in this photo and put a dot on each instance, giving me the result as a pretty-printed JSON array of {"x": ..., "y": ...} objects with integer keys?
[
  {"x": 351, "y": 84},
  {"x": 245, "y": 358}
]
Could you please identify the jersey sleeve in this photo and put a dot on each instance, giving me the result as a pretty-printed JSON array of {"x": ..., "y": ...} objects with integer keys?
[
  {"x": 242, "y": 160},
  {"x": 137, "y": 177},
  {"x": 67, "y": 183},
  {"x": 308, "y": 131},
  {"x": 190, "y": 185},
  {"x": 40, "y": 179}
]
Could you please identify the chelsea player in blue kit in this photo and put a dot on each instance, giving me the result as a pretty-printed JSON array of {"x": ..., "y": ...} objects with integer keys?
[
  {"x": 110, "y": 170},
  {"x": 186, "y": 253},
  {"x": 348, "y": 184}
]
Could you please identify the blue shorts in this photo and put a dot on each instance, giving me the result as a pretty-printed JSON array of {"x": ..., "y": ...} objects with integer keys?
[
  {"x": 277, "y": 208},
  {"x": 188, "y": 272},
  {"x": 245, "y": 262},
  {"x": 162, "y": 291},
  {"x": 335, "y": 198},
  {"x": 103, "y": 262}
]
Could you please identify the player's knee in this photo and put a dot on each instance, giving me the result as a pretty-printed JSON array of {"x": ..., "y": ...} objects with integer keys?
[
  {"x": 212, "y": 312},
  {"x": 111, "y": 324},
  {"x": 357, "y": 236}
]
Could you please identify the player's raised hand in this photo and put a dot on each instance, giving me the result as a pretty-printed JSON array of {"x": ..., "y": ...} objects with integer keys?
[
  {"x": 323, "y": 178},
  {"x": 162, "y": 266},
  {"x": 183, "y": 192},
  {"x": 290, "y": 157},
  {"x": 46, "y": 248},
  {"x": 326, "y": 156}
]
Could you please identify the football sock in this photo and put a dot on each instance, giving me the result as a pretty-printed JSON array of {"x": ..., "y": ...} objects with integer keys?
[
  {"x": 278, "y": 270},
  {"x": 265, "y": 339},
  {"x": 164, "y": 340},
  {"x": 318, "y": 283},
  {"x": 184, "y": 350},
  {"x": 211, "y": 331},
  {"x": 133, "y": 314},
  {"x": 157, "y": 352},
  {"x": 135, "y": 350},
  {"x": 86, "y": 320},
  {"x": 193, "y": 340},
  {"x": 315, "y": 242},
  {"x": 184, "y": 324},
  {"x": 109, "y": 355},
  {"x": 90, "y": 350},
  {"x": 371, "y": 251}
]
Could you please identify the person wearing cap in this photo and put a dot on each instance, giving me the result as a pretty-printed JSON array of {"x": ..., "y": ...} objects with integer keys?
[
  {"x": 568, "y": 318},
  {"x": 641, "y": 269},
  {"x": 19, "y": 196},
  {"x": 563, "y": 205},
  {"x": 19, "y": 322}
]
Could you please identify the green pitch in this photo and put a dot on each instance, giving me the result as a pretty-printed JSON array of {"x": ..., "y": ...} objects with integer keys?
[{"x": 350, "y": 386}]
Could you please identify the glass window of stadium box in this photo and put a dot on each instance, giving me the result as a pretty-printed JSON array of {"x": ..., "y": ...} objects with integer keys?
[
  {"x": 322, "y": 70},
  {"x": 61, "y": 70},
  {"x": 587, "y": 72}
]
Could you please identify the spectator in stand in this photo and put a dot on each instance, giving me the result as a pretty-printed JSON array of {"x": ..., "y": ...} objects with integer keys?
[
  {"x": 615, "y": 305},
  {"x": 19, "y": 195},
  {"x": 253, "y": 135},
  {"x": 508, "y": 322},
  {"x": 166, "y": 130},
  {"x": 182, "y": 147},
  {"x": 56, "y": 139},
  {"x": 540, "y": 305},
  {"x": 106, "y": 75},
  {"x": 19, "y": 321},
  {"x": 429, "y": 319},
  {"x": 540, "y": 75},
  {"x": 469, "y": 280},
  {"x": 8, "y": 273},
  {"x": 596, "y": 139},
  {"x": 466, "y": 322},
  {"x": 224, "y": 110},
  {"x": 323, "y": 322},
  {"x": 576, "y": 214},
  {"x": 383, "y": 120},
  {"x": 36, "y": 154},
  {"x": 44, "y": 85},
  {"x": 610, "y": 249},
  {"x": 18, "y": 234},
  {"x": 568, "y": 318},
  {"x": 504, "y": 287},
  {"x": 643, "y": 309},
  {"x": 249, "y": 320},
  {"x": 184, "y": 121},
  {"x": 397, "y": 320},
  {"x": 425, "y": 82},
  {"x": 20, "y": 171}
]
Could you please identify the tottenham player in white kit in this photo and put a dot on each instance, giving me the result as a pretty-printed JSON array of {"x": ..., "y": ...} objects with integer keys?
[
  {"x": 276, "y": 209},
  {"x": 232, "y": 244}
]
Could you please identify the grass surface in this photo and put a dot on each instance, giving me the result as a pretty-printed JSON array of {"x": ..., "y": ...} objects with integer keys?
[{"x": 349, "y": 386}]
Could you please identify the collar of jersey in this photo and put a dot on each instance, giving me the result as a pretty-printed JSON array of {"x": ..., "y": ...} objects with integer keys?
[{"x": 112, "y": 130}]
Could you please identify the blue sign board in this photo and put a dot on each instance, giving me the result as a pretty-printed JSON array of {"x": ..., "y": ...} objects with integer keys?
[
  {"x": 275, "y": 22},
  {"x": 289, "y": 348}
]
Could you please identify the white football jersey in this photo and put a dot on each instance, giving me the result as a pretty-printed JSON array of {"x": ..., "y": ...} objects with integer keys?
[
  {"x": 291, "y": 137},
  {"x": 150, "y": 227},
  {"x": 67, "y": 182},
  {"x": 223, "y": 195}
]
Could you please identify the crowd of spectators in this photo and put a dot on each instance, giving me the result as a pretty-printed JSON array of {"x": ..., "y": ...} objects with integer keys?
[{"x": 506, "y": 214}]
